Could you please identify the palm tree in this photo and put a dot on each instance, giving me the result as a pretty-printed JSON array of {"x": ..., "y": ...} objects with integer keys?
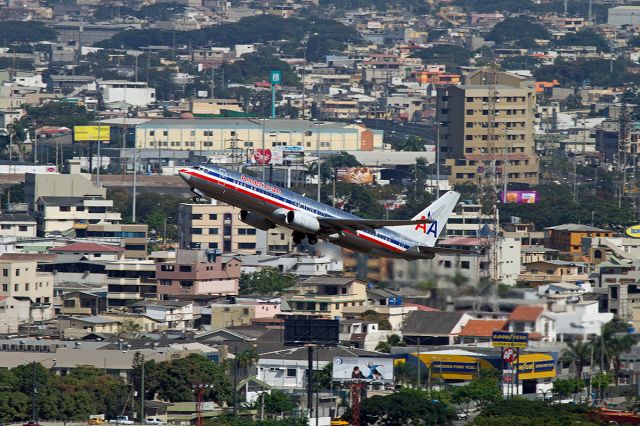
[
  {"x": 577, "y": 353},
  {"x": 613, "y": 342}
]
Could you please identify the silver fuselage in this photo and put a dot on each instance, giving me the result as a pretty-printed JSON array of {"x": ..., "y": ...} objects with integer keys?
[{"x": 263, "y": 199}]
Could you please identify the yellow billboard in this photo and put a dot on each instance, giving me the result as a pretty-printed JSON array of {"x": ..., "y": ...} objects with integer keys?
[
  {"x": 633, "y": 231},
  {"x": 91, "y": 133}
]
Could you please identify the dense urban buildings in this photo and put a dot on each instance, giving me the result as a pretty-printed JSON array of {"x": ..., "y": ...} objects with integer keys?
[{"x": 128, "y": 297}]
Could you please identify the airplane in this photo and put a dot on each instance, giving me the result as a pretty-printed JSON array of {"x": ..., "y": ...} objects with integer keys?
[{"x": 265, "y": 206}]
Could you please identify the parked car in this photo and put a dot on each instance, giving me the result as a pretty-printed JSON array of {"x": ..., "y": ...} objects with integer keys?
[
  {"x": 122, "y": 420},
  {"x": 154, "y": 421}
]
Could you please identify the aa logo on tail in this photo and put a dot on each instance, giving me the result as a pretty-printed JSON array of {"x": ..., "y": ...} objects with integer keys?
[{"x": 432, "y": 227}]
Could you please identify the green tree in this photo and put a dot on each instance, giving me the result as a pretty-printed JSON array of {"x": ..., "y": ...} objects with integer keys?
[
  {"x": 392, "y": 340},
  {"x": 277, "y": 402},
  {"x": 614, "y": 341},
  {"x": 25, "y": 32},
  {"x": 525, "y": 412},
  {"x": 265, "y": 281},
  {"x": 484, "y": 391},
  {"x": 585, "y": 37},
  {"x": 577, "y": 353},
  {"x": 405, "y": 407},
  {"x": 563, "y": 388},
  {"x": 450, "y": 55},
  {"x": 519, "y": 30},
  {"x": 129, "y": 328},
  {"x": 176, "y": 377}
]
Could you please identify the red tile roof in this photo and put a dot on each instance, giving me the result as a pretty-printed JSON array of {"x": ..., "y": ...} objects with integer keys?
[
  {"x": 86, "y": 247},
  {"x": 526, "y": 313},
  {"x": 423, "y": 307},
  {"x": 3, "y": 298},
  {"x": 482, "y": 328}
]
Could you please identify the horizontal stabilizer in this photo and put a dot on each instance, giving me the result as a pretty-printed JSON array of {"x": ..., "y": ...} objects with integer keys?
[{"x": 369, "y": 223}]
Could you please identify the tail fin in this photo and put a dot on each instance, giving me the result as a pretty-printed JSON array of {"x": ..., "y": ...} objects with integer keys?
[{"x": 426, "y": 234}]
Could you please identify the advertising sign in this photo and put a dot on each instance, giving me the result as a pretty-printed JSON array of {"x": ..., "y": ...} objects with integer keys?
[
  {"x": 633, "y": 231},
  {"x": 362, "y": 368},
  {"x": 509, "y": 355},
  {"x": 507, "y": 339},
  {"x": 520, "y": 197},
  {"x": 262, "y": 156},
  {"x": 357, "y": 175},
  {"x": 454, "y": 367},
  {"x": 91, "y": 133},
  {"x": 276, "y": 77},
  {"x": 293, "y": 155}
]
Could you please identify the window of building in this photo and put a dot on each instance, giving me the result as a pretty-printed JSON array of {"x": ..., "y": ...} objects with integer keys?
[
  {"x": 5, "y": 226},
  {"x": 469, "y": 112},
  {"x": 196, "y": 231},
  {"x": 165, "y": 133},
  {"x": 152, "y": 132},
  {"x": 69, "y": 303},
  {"x": 16, "y": 287},
  {"x": 465, "y": 264},
  {"x": 447, "y": 264},
  {"x": 17, "y": 272},
  {"x": 5, "y": 272},
  {"x": 213, "y": 231},
  {"x": 247, "y": 231},
  {"x": 185, "y": 268},
  {"x": 65, "y": 208},
  {"x": 469, "y": 125},
  {"x": 5, "y": 287},
  {"x": 26, "y": 287},
  {"x": 291, "y": 372},
  {"x": 213, "y": 216},
  {"x": 246, "y": 246},
  {"x": 213, "y": 245}
]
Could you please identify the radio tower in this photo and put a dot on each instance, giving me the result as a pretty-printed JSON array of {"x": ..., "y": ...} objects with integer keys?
[{"x": 488, "y": 189}]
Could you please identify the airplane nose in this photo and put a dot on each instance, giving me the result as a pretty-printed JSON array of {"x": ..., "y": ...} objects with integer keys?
[{"x": 184, "y": 175}]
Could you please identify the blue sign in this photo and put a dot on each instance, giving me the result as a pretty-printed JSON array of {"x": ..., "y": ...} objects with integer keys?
[
  {"x": 276, "y": 77},
  {"x": 507, "y": 339}
]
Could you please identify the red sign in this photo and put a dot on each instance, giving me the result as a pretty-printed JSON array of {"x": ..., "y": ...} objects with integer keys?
[
  {"x": 509, "y": 355},
  {"x": 262, "y": 156}
]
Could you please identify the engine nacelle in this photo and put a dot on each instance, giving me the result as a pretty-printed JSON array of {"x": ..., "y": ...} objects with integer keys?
[
  {"x": 302, "y": 222},
  {"x": 255, "y": 221}
]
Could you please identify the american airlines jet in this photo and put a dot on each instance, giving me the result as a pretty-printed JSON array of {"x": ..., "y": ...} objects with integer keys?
[{"x": 265, "y": 206}]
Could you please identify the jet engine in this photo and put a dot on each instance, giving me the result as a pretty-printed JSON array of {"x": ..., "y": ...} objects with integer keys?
[
  {"x": 303, "y": 222},
  {"x": 255, "y": 220}
]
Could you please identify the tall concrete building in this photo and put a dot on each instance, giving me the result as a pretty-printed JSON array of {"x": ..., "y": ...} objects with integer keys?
[
  {"x": 465, "y": 120},
  {"x": 217, "y": 226}
]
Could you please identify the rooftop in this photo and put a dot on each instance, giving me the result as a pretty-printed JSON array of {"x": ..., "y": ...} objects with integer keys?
[
  {"x": 526, "y": 313},
  {"x": 482, "y": 328},
  {"x": 87, "y": 247},
  {"x": 576, "y": 227}
]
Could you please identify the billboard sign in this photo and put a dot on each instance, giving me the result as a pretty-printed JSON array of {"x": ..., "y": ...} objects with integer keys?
[
  {"x": 311, "y": 331},
  {"x": 362, "y": 368},
  {"x": 357, "y": 175},
  {"x": 262, "y": 156},
  {"x": 293, "y": 155},
  {"x": 275, "y": 77},
  {"x": 633, "y": 231},
  {"x": 520, "y": 197},
  {"x": 507, "y": 339},
  {"x": 91, "y": 133},
  {"x": 454, "y": 367}
]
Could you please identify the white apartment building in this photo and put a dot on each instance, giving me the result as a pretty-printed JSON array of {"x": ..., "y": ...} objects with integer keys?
[
  {"x": 21, "y": 279},
  {"x": 466, "y": 221},
  {"x": 17, "y": 225},
  {"x": 130, "y": 281},
  {"x": 61, "y": 214},
  {"x": 132, "y": 93}
]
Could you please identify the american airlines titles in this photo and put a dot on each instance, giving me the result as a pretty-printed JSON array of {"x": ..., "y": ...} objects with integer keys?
[{"x": 261, "y": 185}]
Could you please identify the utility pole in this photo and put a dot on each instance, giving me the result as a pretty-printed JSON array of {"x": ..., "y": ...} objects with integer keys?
[
  {"x": 235, "y": 382},
  {"x": 34, "y": 394},
  {"x": 142, "y": 393},
  {"x": 437, "y": 159}
]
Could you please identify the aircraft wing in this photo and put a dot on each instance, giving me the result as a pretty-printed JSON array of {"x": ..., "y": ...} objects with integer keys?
[
  {"x": 368, "y": 223},
  {"x": 432, "y": 250}
]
